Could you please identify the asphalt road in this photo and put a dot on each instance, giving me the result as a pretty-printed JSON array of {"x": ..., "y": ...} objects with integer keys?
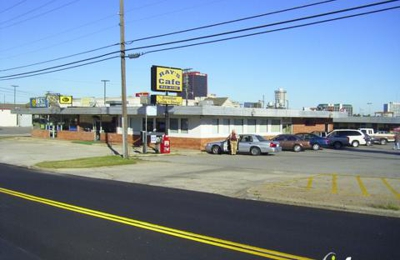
[{"x": 145, "y": 222}]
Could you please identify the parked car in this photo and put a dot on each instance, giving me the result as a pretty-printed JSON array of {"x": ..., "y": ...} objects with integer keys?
[
  {"x": 247, "y": 143},
  {"x": 356, "y": 137},
  {"x": 338, "y": 142},
  {"x": 316, "y": 141},
  {"x": 320, "y": 133},
  {"x": 292, "y": 142}
]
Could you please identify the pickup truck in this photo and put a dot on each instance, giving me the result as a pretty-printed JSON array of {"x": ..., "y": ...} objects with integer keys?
[{"x": 380, "y": 138}]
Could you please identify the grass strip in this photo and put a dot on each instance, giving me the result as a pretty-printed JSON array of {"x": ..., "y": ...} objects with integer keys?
[{"x": 90, "y": 162}]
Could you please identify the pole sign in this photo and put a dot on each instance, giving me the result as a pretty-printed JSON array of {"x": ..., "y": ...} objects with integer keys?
[
  {"x": 166, "y": 100},
  {"x": 166, "y": 79}
]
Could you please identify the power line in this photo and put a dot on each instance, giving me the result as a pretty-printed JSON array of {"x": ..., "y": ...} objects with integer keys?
[
  {"x": 60, "y": 66},
  {"x": 52, "y": 71},
  {"x": 36, "y": 16},
  {"x": 54, "y": 68},
  {"x": 61, "y": 58},
  {"x": 263, "y": 26},
  {"x": 271, "y": 31},
  {"x": 179, "y": 32},
  {"x": 13, "y": 6},
  {"x": 231, "y": 21}
]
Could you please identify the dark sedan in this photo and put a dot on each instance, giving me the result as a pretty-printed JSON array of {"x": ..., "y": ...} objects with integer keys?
[
  {"x": 316, "y": 141},
  {"x": 292, "y": 142}
]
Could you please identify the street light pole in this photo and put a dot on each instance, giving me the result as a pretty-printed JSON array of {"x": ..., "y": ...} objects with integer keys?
[
  {"x": 123, "y": 82},
  {"x": 105, "y": 86}
]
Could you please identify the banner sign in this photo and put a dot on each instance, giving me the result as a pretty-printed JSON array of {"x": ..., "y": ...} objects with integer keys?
[
  {"x": 38, "y": 102},
  {"x": 166, "y": 100},
  {"x": 65, "y": 100},
  {"x": 166, "y": 79}
]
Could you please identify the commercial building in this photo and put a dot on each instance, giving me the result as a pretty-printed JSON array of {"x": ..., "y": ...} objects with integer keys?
[
  {"x": 192, "y": 127},
  {"x": 189, "y": 126}
]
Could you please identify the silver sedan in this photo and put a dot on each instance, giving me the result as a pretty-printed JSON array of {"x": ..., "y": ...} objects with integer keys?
[{"x": 248, "y": 143}]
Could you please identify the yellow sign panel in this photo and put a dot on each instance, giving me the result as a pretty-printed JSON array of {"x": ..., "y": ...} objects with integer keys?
[
  {"x": 166, "y": 79},
  {"x": 65, "y": 100},
  {"x": 166, "y": 100}
]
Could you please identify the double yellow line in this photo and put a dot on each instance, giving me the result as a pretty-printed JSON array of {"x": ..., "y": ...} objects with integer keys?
[{"x": 252, "y": 250}]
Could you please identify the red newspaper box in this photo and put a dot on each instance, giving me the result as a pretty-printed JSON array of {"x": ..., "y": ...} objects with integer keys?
[{"x": 165, "y": 145}]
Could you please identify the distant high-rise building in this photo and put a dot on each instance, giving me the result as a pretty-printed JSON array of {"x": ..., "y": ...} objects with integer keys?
[
  {"x": 280, "y": 99},
  {"x": 392, "y": 107},
  {"x": 197, "y": 85}
]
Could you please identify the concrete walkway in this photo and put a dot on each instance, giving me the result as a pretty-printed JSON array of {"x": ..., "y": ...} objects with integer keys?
[{"x": 274, "y": 187}]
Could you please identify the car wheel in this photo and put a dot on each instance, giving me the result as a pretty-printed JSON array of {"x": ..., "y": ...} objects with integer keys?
[
  {"x": 315, "y": 147},
  {"x": 216, "y": 149},
  {"x": 355, "y": 144},
  {"x": 296, "y": 148},
  {"x": 383, "y": 141},
  {"x": 255, "y": 151},
  {"x": 337, "y": 145}
]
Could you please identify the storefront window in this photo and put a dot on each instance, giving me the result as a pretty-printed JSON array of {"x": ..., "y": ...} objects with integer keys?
[
  {"x": 251, "y": 125},
  {"x": 238, "y": 125},
  {"x": 263, "y": 125},
  {"x": 174, "y": 125},
  {"x": 275, "y": 126},
  {"x": 215, "y": 126},
  {"x": 184, "y": 125}
]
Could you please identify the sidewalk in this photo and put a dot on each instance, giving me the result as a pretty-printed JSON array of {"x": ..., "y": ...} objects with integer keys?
[{"x": 272, "y": 187}]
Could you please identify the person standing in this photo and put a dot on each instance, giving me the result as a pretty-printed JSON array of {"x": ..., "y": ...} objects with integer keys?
[
  {"x": 396, "y": 140},
  {"x": 233, "y": 139}
]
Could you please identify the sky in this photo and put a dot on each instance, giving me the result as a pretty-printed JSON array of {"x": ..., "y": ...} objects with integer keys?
[{"x": 351, "y": 61}]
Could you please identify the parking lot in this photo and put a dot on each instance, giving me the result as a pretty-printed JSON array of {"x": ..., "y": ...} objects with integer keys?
[
  {"x": 352, "y": 177},
  {"x": 363, "y": 179}
]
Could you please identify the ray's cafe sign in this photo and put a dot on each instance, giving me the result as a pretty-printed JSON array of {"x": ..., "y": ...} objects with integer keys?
[{"x": 166, "y": 79}]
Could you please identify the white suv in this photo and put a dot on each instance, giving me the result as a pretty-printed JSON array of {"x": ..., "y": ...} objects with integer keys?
[{"x": 356, "y": 137}]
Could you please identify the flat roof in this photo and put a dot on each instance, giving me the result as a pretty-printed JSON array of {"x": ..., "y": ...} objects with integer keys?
[{"x": 185, "y": 110}]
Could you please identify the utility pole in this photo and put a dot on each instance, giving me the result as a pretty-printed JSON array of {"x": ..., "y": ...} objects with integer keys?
[
  {"x": 15, "y": 93},
  {"x": 105, "y": 86},
  {"x": 123, "y": 82},
  {"x": 15, "y": 100}
]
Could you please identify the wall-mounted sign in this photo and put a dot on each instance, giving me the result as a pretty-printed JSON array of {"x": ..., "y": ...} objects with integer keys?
[
  {"x": 166, "y": 100},
  {"x": 65, "y": 100},
  {"x": 38, "y": 102},
  {"x": 166, "y": 79}
]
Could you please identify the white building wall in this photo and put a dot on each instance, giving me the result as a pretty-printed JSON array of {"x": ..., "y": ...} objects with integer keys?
[
  {"x": 8, "y": 119},
  {"x": 24, "y": 120}
]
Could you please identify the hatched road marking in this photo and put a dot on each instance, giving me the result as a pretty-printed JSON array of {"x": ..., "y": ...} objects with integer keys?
[{"x": 352, "y": 185}]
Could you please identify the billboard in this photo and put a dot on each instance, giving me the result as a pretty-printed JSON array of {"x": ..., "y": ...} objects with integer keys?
[
  {"x": 38, "y": 102},
  {"x": 65, "y": 100},
  {"x": 166, "y": 79},
  {"x": 166, "y": 100}
]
